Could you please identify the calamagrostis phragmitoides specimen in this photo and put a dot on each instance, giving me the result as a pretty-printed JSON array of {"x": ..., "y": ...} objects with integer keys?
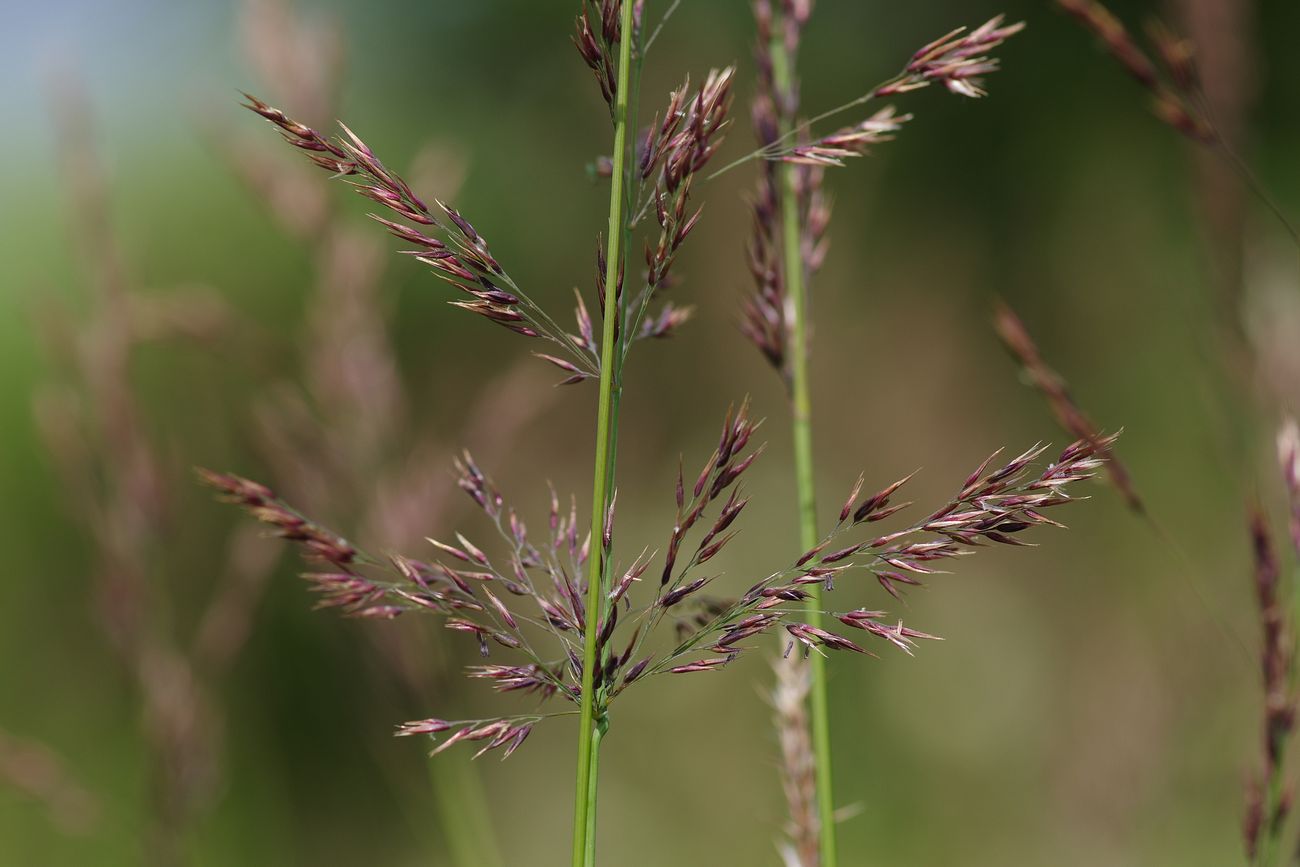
[
  {"x": 569, "y": 620},
  {"x": 1268, "y": 793},
  {"x": 788, "y": 245}
]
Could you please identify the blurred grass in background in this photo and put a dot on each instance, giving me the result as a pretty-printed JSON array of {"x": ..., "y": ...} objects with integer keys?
[{"x": 1085, "y": 708}]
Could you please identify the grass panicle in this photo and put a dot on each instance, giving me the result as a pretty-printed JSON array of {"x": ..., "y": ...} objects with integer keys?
[{"x": 557, "y": 615}]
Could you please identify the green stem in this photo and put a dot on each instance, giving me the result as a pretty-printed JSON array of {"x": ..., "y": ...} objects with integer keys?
[
  {"x": 593, "y": 722},
  {"x": 589, "y": 852},
  {"x": 801, "y": 410}
]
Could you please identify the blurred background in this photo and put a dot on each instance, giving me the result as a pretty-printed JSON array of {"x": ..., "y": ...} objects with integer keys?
[{"x": 179, "y": 290}]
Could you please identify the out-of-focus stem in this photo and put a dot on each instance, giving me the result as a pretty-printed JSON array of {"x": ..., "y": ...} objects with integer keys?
[
  {"x": 801, "y": 411},
  {"x": 462, "y": 809}
]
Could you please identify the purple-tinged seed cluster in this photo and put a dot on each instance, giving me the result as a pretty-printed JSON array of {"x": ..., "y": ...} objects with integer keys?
[
  {"x": 720, "y": 472},
  {"x": 851, "y": 141},
  {"x": 991, "y": 506},
  {"x": 677, "y": 145},
  {"x": 503, "y": 734},
  {"x": 455, "y": 251},
  {"x": 596, "y": 34},
  {"x": 957, "y": 60},
  {"x": 260, "y": 501}
]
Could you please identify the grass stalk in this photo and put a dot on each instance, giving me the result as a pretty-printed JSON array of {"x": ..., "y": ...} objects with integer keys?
[
  {"x": 592, "y": 723},
  {"x": 801, "y": 419},
  {"x": 589, "y": 851}
]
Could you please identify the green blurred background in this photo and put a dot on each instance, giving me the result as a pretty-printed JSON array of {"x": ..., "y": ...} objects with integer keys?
[{"x": 1086, "y": 708}]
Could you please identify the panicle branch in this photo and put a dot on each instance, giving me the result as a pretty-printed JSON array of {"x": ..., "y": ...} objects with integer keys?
[
  {"x": 505, "y": 733},
  {"x": 319, "y": 544},
  {"x": 597, "y": 29},
  {"x": 455, "y": 251},
  {"x": 958, "y": 61},
  {"x": 991, "y": 506},
  {"x": 531, "y": 592},
  {"x": 850, "y": 141},
  {"x": 676, "y": 147}
]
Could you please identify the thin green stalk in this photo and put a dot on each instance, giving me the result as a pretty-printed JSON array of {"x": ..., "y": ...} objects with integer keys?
[
  {"x": 801, "y": 412},
  {"x": 589, "y": 853},
  {"x": 593, "y": 722}
]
